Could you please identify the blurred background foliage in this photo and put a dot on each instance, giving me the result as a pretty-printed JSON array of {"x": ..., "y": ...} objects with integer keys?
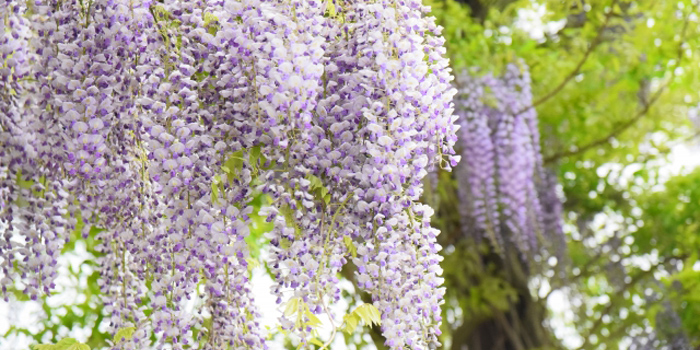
[{"x": 616, "y": 85}]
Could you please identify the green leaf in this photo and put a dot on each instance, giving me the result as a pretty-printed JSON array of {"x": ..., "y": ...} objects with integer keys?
[
  {"x": 215, "y": 189},
  {"x": 313, "y": 319},
  {"x": 351, "y": 247},
  {"x": 315, "y": 181},
  {"x": 369, "y": 314},
  {"x": 318, "y": 188},
  {"x": 252, "y": 264},
  {"x": 330, "y": 9},
  {"x": 292, "y": 306},
  {"x": 79, "y": 346},
  {"x": 63, "y": 344},
  {"x": 288, "y": 214},
  {"x": 125, "y": 333},
  {"x": 44, "y": 347},
  {"x": 94, "y": 230},
  {"x": 233, "y": 164},
  {"x": 351, "y": 322},
  {"x": 285, "y": 243},
  {"x": 209, "y": 17},
  {"x": 366, "y": 313},
  {"x": 23, "y": 183},
  {"x": 254, "y": 155},
  {"x": 178, "y": 43},
  {"x": 199, "y": 76},
  {"x": 316, "y": 342},
  {"x": 263, "y": 161}
]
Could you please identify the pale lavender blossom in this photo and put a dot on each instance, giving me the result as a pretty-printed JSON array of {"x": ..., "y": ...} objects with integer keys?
[
  {"x": 155, "y": 124},
  {"x": 505, "y": 193}
]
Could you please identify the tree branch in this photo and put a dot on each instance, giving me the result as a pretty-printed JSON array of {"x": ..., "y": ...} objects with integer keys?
[
  {"x": 637, "y": 278},
  {"x": 626, "y": 125},
  {"x": 615, "y": 132},
  {"x": 596, "y": 41}
]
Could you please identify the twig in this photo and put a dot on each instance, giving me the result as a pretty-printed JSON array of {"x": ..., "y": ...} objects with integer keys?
[{"x": 626, "y": 125}]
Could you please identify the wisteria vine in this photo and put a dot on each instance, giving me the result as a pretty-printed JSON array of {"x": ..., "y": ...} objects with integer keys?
[
  {"x": 506, "y": 194},
  {"x": 153, "y": 124}
]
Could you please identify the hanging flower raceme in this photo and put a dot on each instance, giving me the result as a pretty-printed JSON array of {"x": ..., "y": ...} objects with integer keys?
[
  {"x": 33, "y": 200},
  {"x": 505, "y": 193},
  {"x": 155, "y": 124}
]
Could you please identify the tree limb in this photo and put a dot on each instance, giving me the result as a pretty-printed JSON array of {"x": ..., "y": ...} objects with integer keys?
[
  {"x": 626, "y": 125},
  {"x": 615, "y": 132},
  {"x": 596, "y": 41}
]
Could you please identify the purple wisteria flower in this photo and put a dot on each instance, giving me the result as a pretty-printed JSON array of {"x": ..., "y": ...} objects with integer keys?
[
  {"x": 154, "y": 124},
  {"x": 506, "y": 195}
]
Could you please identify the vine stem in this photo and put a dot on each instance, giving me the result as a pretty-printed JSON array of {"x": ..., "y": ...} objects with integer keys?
[
  {"x": 333, "y": 330},
  {"x": 325, "y": 247}
]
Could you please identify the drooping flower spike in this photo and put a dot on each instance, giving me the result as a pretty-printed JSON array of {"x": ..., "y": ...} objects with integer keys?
[
  {"x": 154, "y": 124},
  {"x": 506, "y": 195}
]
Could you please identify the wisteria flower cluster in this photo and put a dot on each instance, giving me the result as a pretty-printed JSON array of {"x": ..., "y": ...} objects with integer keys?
[
  {"x": 154, "y": 124},
  {"x": 506, "y": 194}
]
